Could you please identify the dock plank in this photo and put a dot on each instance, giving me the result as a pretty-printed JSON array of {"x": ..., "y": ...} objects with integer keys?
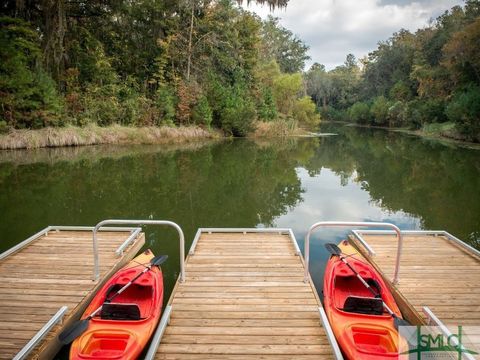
[
  {"x": 52, "y": 271},
  {"x": 434, "y": 272},
  {"x": 244, "y": 298}
]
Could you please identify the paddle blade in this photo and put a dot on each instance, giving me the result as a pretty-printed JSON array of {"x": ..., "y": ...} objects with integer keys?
[
  {"x": 158, "y": 260},
  {"x": 397, "y": 322},
  {"x": 74, "y": 331},
  {"x": 333, "y": 249}
]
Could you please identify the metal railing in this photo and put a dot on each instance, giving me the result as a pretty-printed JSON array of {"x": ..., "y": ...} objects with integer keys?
[
  {"x": 434, "y": 320},
  {"x": 123, "y": 246},
  {"x": 330, "y": 336},
  {"x": 354, "y": 224},
  {"x": 449, "y": 237},
  {"x": 245, "y": 231},
  {"x": 133, "y": 235},
  {"x": 25, "y": 351},
  {"x": 157, "y": 337}
]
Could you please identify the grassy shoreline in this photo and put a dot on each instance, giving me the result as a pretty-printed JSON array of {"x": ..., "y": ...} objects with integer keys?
[
  {"x": 69, "y": 136},
  {"x": 96, "y": 135}
]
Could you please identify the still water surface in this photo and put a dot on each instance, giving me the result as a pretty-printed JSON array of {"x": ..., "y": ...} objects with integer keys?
[{"x": 358, "y": 175}]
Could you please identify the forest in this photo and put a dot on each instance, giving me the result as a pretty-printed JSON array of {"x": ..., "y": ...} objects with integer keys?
[
  {"x": 427, "y": 80},
  {"x": 149, "y": 63},
  {"x": 212, "y": 64}
]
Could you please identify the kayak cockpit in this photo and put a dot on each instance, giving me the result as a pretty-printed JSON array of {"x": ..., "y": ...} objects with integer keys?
[
  {"x": 113, "y": 344},
  {"x": 351, "y": 296},
  {"x": 374, "y": 340},
  {"x": 135, "y": 303},
  {"x": 120, "y": 311},
  {"x": 363, "y": 305}
]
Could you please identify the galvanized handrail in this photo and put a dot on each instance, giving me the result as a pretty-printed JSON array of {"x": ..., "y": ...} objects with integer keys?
[
  {"x": 24, "y": 243},
  {"x": 329, "y": 332},
  {"x": 25, "y": 351},
  {"x": 355, "y": 224},
  {"x": 157, "y": 337},
  {"x": 245, "y": 231},
  {"x": 54, "y": 228},
  {"x": 433, "y": 319},
  {"x": 96, "y": 274},
  {"x": 449, "y": 237}
]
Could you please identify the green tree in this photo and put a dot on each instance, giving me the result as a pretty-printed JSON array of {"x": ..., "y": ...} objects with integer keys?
[
  {"x": 286, "y": 89},
  {"x": 379, "y": 110},
  {"x": 319, "y": 85},
  {"x": 28, "y": 95},
  {"x": 202, "y": 113},
  {"x": 283, "y": 46},
  {"x": 359, "y": 113},
  {"x": 267, "y": 109},
  {"x": 305, "y": 112},
  {"x": 464, "y": 110}
]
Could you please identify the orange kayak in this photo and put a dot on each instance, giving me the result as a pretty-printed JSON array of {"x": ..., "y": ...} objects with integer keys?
[
  {"x": 363, "y": 328},
  {"x": 123, "y": 327}
]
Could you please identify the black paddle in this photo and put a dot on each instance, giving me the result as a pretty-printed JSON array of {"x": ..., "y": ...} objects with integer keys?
[
  {"x": 336, "y": 251},
  {"x": 77, "y": 329}
]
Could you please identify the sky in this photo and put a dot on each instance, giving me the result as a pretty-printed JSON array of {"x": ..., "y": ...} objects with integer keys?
[{"x": 335, "y": 28}]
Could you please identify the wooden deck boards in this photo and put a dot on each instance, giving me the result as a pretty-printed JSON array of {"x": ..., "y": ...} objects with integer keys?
[
  {"x": 244, "y": 297},
  {"x": 434, "y": 272},
  {"x": 54, "y": 270}
]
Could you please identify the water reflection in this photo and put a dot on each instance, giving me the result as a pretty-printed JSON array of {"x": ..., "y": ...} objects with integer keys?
[{"x": 358, "y": 175}]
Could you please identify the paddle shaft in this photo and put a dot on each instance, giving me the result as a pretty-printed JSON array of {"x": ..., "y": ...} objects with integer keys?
[
  {"x": 121, "y": 290},
  {"x": 367, "y": 286}
]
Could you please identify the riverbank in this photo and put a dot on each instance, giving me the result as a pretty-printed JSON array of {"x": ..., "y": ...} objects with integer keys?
[
  {"x": 278, "y": 128},
  {"x": 444, "y": 132},
  {"x": 54, "y": 137},
  {"x": 96, "y": 135}
]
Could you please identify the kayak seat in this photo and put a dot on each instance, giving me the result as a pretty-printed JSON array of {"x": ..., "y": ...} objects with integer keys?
[
  {"x": 120, "y": 311},
  {"x": 363, "y": 305}
]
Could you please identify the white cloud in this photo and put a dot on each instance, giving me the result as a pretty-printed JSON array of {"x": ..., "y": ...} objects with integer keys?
[
  {"x": 326, "y": 200},
  {"x": 334, "y": 28}
]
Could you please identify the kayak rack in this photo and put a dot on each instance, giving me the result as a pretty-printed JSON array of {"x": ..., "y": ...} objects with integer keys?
[
  {"x": 364, "y": 243},
  {"x": 127, "y": 242}
]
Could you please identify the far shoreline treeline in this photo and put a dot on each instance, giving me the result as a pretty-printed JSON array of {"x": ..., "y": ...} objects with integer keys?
[
  {"x": 150, "y": 63},
  {"x": 212, "y": 65},
  {"x": 428, "y": 80}
]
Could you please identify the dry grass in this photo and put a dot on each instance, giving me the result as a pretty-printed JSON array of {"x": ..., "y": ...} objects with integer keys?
[
  {"x": 93, "y": 135},
  {"x": 278, "y": 128}
]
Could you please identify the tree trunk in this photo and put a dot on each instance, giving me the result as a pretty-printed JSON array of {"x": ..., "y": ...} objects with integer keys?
[
  {"x": 189, "y": 62},
  {"x": 55, "y": 28},
  {"x": 20, "y": 8}
]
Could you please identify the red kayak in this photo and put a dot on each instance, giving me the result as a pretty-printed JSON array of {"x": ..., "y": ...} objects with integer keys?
[
  {"x": 363, "y": 327},
  {"x": 123, "y": 326}
]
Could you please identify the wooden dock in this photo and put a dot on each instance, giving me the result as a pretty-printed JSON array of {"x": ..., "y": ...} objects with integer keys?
[
  {"x": 54, "y": 269},
  {"x": 244, "y": 298},
  {"x": 436, "y": 271}
]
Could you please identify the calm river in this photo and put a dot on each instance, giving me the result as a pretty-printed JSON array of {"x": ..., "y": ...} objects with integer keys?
[{"x": 357, "y": 175}]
